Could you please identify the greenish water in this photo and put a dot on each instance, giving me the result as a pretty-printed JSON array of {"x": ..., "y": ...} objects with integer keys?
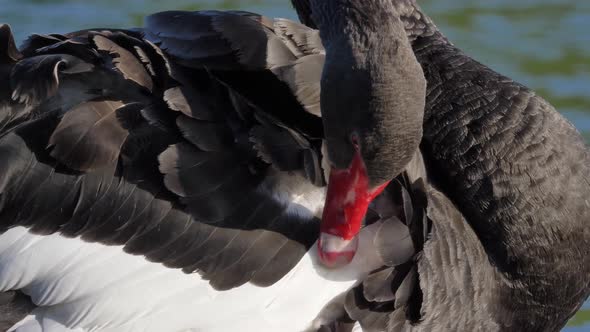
[{"x": 544, "y": 44}]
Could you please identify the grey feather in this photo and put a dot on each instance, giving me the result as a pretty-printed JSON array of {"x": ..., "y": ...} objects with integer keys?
[{"x": 125, "y": 62}]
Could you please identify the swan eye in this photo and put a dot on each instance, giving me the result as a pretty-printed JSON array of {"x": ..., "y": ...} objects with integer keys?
[{"x": 354, "y": 138}]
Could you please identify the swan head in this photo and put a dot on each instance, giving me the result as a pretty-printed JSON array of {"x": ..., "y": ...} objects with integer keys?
[{"x": 372, "y": 100}]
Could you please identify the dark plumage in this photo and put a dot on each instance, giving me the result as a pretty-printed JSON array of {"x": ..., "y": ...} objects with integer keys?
[
  {"x": 14, "y": 306},
  {"x": 509, "y": 248},
  {"x": 145, "y": 161}
]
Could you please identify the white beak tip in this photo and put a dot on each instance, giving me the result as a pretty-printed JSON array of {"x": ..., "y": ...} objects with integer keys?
[{"x": 335, "y": 251}]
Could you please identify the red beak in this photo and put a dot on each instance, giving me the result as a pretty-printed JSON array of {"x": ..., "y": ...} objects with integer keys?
[{"x": 346, "y": 204}]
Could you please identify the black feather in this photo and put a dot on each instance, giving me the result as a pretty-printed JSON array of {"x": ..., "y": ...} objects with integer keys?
[
  {"x": 8, "y": 51},
  {"x": 14, "y": 306},
  {"x": 75, "y": 141},
  {"x": 35, "y": 79},
  {"x": 128, "y": 64}
]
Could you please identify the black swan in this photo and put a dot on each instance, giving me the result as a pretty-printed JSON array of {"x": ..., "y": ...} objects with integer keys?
[{"x": 171, "y": 178}]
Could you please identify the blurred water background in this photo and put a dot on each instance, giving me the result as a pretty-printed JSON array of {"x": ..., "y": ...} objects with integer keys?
[{"x": 544, "y": 44}]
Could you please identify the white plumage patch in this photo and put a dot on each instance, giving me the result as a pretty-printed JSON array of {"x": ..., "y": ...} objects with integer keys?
[
  {"x": 298, "y": 193},
  {"x": 82, "y": 286}
]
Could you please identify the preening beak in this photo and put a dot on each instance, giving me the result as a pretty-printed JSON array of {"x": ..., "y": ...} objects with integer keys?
[{"x": 346, "y": 204}]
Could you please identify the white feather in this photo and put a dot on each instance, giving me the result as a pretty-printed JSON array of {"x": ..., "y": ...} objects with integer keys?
[
  {"x": 297, "y": 192},
  {"x": 82, "y": 286}
]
